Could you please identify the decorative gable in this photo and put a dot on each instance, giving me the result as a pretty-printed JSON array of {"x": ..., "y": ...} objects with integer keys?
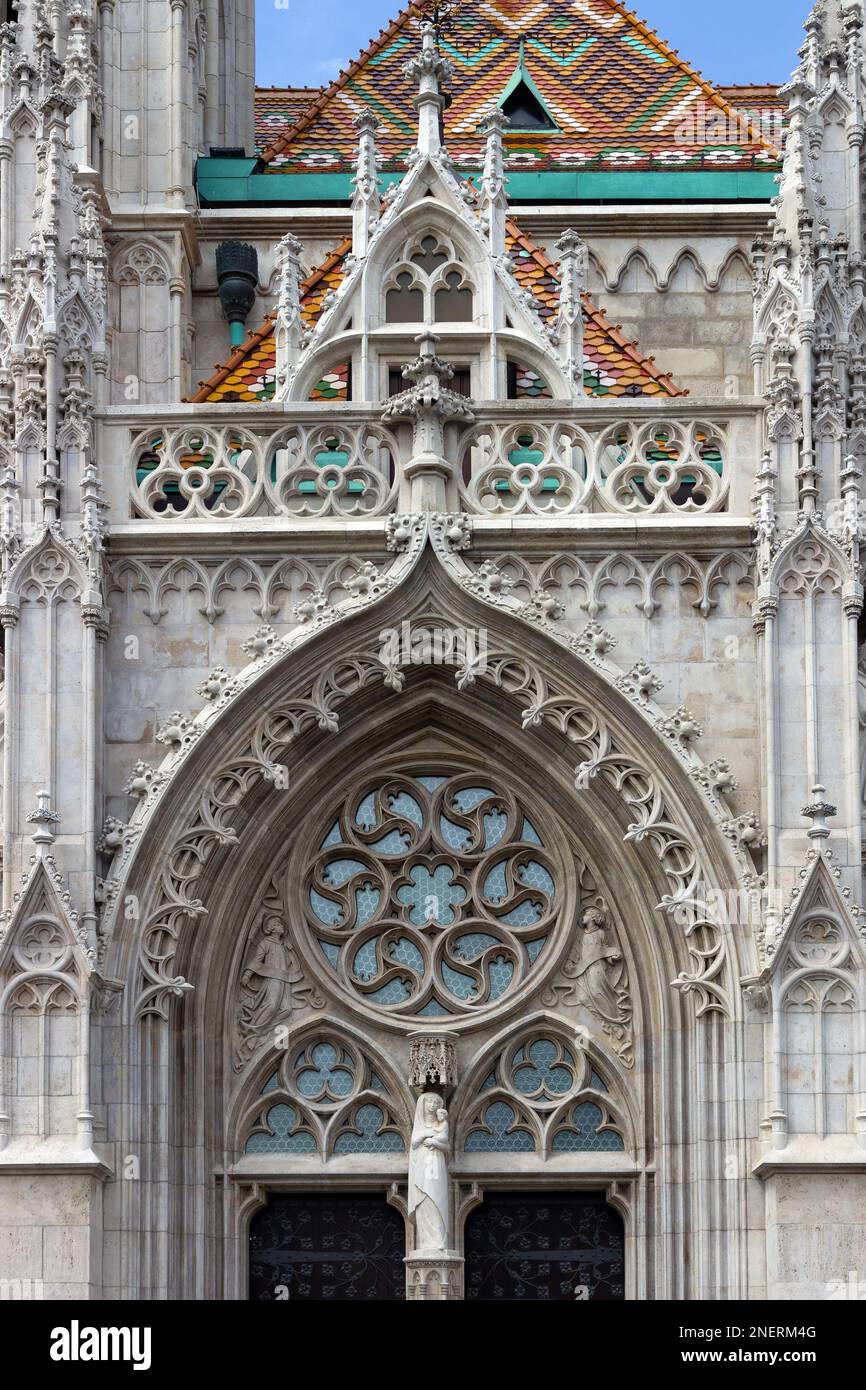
[{"x": 613, "y": 366}]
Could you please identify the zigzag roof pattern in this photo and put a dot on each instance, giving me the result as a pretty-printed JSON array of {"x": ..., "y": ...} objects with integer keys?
[
  {"x": 613, "y": 366},
  {"x": 621, "y": 98}
]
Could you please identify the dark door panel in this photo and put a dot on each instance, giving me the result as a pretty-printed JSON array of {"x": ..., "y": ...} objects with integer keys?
[
  {"x": 543, "y": 1247},
  {"x": 327, "y": 1247}
]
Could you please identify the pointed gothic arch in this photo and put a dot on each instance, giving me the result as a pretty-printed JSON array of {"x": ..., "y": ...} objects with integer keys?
[{"x": 189, "y": 888}]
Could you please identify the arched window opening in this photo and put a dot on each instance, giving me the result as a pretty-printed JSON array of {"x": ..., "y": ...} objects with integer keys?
[
  {"x": 453, "y": 301},
  {"x": 404, "y": 303},
  {"x": 430, "y": 256}
]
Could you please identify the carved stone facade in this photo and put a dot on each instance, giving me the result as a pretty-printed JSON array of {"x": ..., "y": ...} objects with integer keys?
[{"x": 439, "y": 774}]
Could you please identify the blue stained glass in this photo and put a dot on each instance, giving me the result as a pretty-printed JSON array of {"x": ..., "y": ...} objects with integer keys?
[
  {"x": 498, "y": 1119},
  {"x": 405, "y": 805},
  {"x": 369, "y": 1119},
  {"x": 455, "y": 836},
  {"x": 367, "y": 815},
  {"x": 271, "y": 1084},
  {"x": 366, "y": 904},
  {"x": 395, "y": 992},
  {"x": 431, "y": 783},
  {"x": 333, "y": 837},
  {"x": 534, "y": 949},
  {"x": 329, "y": 913},
  {"x": 365, "y": 966},
  {"x": 471, "y": 797},
  {"x": 330, "y": 950},
  {"x": 405, "y": 952},
  {"x": 284, "y": 1120},
  {"x": 584, "y": 1136},
  {"x": 539, "y": 1070},
  {"x": 596, "y": 1082},
  {"x": 495, "y": 826},
  {"x": 534, "y": 875},
  {"x": 495, "y": 886},
  {"x": 339, "y": 871},
  {"x": 489, "y": 1082},
  {"x": 432, "y": 897},
  {"x": 460, "y": 985},
  {"x": 395, "y": 842},
  {"x": 529, "y": 834},
  {"x": 325, "y": 1074},
  {"x": 376, "y": 1082},
  {"x": 433, "y": 1010},
  {"x": 472, "y": 946},
  {"x": 501, "y": 975},
  {"x": 524, "y": 915}
]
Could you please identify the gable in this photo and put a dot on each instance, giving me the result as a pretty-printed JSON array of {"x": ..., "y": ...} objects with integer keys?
[
  {"x": 613, "y": 365},
  {"x": 620, "y": 97}
]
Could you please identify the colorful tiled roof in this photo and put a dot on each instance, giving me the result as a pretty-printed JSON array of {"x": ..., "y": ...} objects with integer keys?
[
  {"x": 250, "y": 373},
  {"x": 613, "y": 366},
  {"x": 621, "y": 98},
  {"x": 279, "y": 107}
]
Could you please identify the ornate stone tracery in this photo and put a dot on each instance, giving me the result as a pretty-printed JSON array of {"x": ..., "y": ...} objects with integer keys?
[{"x": 432, "y": 896}]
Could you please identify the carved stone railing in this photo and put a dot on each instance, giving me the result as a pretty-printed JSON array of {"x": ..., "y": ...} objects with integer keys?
[
  {"x": 632, "y": 458},
  {"x": 303, "y": 470},
  {"x": 632, "y": 467}
]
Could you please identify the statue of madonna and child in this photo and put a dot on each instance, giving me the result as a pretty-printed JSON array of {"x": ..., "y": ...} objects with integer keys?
[{"x": 428, "y": 1174}]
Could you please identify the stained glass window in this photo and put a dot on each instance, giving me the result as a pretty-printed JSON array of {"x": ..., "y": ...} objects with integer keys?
[
  {"x": 321, "y": 1089},
  {"x": 431, "y": 895}
]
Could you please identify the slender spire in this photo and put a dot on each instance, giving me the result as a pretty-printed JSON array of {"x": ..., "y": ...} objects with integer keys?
[
  {"x": 493, "y": 203},
  {"x": 573, "y": 258},
  {"x": 366, "y": 200},
  {"x": 430, "y": 70},
  {"x": 289, "y": 328}
]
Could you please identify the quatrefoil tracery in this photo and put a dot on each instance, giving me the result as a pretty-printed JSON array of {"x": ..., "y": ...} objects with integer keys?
[{"x": 432, "y": 895}]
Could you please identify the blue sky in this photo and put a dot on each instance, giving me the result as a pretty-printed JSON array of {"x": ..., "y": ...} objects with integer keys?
[{"x": 307, "y": 42}]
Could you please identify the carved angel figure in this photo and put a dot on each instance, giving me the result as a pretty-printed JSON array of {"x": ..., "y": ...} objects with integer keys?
[
  {"x": 428, "y": 1173},
  {"x": 267, "y": 980}
]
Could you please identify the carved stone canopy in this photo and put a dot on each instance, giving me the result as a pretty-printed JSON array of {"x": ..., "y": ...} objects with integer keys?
[{"x": 431, "y": 1062}]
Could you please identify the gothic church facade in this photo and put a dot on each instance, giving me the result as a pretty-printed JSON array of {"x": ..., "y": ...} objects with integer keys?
[{"x": 453, "y": 694}]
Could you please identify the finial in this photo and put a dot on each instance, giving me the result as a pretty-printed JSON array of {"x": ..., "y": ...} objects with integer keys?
[
  {"x": 430, "y": 70},
  {"x": 493, "y": 202},
  {"x": 44, "y": 819},
  {"x": 366, "y": 200},
  {"x": 818, "y": 811}
]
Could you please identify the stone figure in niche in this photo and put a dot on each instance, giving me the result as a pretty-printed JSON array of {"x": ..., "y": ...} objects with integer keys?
[
  {"x": 267, "y": 980},
  {"x": 596, "y": 973},
  {"x": 428, "y": 1173}
]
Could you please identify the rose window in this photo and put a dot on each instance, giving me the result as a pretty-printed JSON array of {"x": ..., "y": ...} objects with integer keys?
[{"x": 433, "y": 896}]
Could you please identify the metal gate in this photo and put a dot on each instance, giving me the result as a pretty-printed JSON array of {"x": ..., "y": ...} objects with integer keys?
[
  {"x": 544, "y": 1247},
  {"x": 327, "y": 1247}
]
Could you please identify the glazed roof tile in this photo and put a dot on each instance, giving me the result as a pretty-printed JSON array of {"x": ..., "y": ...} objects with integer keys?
[
  {"x": 621, "y": 97},
  {"x": 279, "y": 107},
  {"x": 613, "y": 366}
]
